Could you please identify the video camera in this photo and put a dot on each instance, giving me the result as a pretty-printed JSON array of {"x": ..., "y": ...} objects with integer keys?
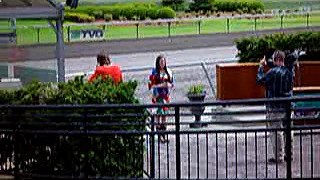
[
  {"x": 72, "y": 3},
  {"x": 291, "y": 57}
]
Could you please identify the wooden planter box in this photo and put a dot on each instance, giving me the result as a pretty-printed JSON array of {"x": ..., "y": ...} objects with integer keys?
[
  {"x": 238, "y": 80},
  {"x": 307, "y": 90}
]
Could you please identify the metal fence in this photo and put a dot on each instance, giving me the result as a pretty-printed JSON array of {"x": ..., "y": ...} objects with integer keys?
[
  {"x": 172, "y": 27},
  {"x": 225, "y": 149}
]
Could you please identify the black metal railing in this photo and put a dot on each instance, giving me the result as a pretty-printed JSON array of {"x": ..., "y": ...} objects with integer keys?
[{"x": 122, "y": 141}]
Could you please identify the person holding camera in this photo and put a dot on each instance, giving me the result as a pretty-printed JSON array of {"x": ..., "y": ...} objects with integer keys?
[{"x": 278, "y": 82}]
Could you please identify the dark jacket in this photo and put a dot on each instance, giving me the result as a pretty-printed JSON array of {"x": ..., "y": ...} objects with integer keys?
[{"x": 278, "y": 82}]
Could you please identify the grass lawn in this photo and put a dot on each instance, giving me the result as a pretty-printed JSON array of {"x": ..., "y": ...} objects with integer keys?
[
  {"x": 269, "y": 4},
  {"x": 291, "y": 4},
  {"x": 46, "y": 35},
  {"x": 26, "y": 34},
  {"x": 4, "y": 26}
]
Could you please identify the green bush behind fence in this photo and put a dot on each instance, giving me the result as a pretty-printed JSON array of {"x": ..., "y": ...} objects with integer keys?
[
  {"x": 252, "y": 49},
  {"x": 67, "y": 154}
]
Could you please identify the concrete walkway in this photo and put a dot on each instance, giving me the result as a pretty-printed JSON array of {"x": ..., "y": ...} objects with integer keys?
[{"x": 210, "y": 155}]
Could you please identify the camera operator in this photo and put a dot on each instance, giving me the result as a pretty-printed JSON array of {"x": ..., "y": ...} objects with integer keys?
[{"x": 278, "y": 82}]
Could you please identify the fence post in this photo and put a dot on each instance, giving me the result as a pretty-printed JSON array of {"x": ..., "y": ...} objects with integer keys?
[
  {"x": 38, "y": 35},
  {"x": 104, "y": 31},
  {"x": 203, "y": 65},
  {"x": 14, "y": 28},
  {"x": 255, "y": 24},
  {"x": 199, "y": 27},
  {"x": 177, "y": 133},
  {"x": 68, "y": 33},
  {"x": 228, "y": 25},
  {"x": 281, "y": 21},
  {"x": 17, "y": 152},
  {"x": 84, "y": 165},
  {"x": 288, "y": 143},
  {"x": 152, "y": 149},
  {"x": 137, "y": 25},
  {"x": 308, "y": 16},
  {"x": 169, "y": 29}
]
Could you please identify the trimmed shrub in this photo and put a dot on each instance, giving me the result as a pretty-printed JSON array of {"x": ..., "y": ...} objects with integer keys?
[
  {"x": 135, "y": 10},
  {"x": 107, "y": 9},
  {"x": 128, "y": 12},
  {"x": 177, "y": 5},
  {"x": 142, "y": 4},
  {"x": 84, "y": 9},
  {"x": 78, "y": 17},
  {"x": 107, "y": 17},
  {"x": 108, "y": 155},
  {"x": 116, "y": 13},
  {"x": 141, "y": 12},
  {"x": 98, "y": 14},
  {"x": 235, "y": 5},
  {"x": 166, "y": 13},
  {"x": 252, "y": 49},
  {"x": 152, "y": 13},
  {"x": 201, "y": 5}
]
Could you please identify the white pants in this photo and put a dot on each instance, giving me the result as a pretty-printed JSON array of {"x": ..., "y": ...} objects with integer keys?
[{"x": 277, "y": 137}]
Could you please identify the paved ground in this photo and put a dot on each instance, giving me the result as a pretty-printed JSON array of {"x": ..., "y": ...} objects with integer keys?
[
  {"x": 234, "y": 156},
  {"x": 139, "y": 60}
]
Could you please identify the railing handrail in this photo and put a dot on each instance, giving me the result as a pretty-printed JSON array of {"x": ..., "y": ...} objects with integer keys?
[
  {"x": 174, "y": 20},
  {"x": 252, "y": 101}
]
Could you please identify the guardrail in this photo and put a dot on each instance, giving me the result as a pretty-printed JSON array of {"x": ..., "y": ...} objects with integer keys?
[
  {"x": 170, "y": 23},
  {"x": 37, "y": 137}
]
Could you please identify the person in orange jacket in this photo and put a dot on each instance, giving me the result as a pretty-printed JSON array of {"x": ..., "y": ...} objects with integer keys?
[{"x": 106, "y": 68}]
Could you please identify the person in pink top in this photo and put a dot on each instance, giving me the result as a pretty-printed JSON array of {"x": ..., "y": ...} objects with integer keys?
[{"x": 105, "y": 68}]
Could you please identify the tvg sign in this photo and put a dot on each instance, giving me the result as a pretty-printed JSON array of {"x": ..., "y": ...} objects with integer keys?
[{"x": 86, "y": 35}]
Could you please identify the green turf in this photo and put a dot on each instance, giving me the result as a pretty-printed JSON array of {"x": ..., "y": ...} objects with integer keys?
[
  {"x": 31, "y": 35},
  {"x": 4, "y": 27},
  {"x": 269, "y": 4},
  {"x": 291, "y": 4}
]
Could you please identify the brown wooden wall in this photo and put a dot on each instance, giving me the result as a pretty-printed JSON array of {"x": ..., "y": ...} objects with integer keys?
[{"x": 238, "y": 80}]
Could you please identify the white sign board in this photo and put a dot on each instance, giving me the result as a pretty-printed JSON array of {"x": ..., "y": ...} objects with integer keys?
[{"x": 86, "y": 35}]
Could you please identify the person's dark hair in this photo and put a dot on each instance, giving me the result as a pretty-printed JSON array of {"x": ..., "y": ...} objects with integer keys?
[
  {"x": 103, "y": 58},
  {"x": 279, "y": 55},
  {"x": 165, "y": 68},
  {"x": 269, "y": 54}
]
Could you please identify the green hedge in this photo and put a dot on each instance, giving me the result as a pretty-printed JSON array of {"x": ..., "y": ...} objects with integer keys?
[
  {"x": 177, "y": 5},
  {"x": 78, "y": 17},
  {"x": 246, "y": 6},
  {"x": 108, "y": 155},
  {"x": 166, "y": 13},
  {"x": 253, "y": 48},
  {"x": 201, "y": 5},
  {"x": 129, "y": 11}
]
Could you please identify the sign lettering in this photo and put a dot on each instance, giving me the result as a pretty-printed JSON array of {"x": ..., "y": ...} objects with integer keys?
[{"x": 86, "y": 35}]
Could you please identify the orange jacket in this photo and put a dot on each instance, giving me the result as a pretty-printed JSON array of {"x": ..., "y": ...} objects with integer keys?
[{"x": 113, "y": 71}]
